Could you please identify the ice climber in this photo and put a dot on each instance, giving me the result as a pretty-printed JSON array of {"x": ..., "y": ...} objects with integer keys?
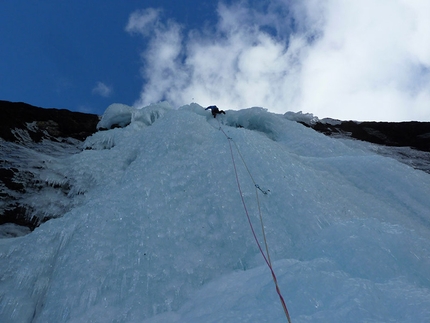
[{"x": 215, "y": 110}]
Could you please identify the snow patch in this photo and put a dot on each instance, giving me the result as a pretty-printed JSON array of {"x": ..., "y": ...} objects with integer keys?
[
  {"x": 121, "y": 115},
  {"x": 116, "y": 115},
  {"x": 307, "y": 118}
]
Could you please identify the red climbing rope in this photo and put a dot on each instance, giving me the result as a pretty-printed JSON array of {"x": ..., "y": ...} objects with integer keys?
[{"x": 266, "y": 258}]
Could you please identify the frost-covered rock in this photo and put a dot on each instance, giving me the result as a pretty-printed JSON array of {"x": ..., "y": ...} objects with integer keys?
[
  {"x": 149, "y": 114},
  {"x": 32, "y": 141},
  {"x": 121, "y": 115},
  {"x": 306, "y": 118},
  {"x": 116, "y": 115}
]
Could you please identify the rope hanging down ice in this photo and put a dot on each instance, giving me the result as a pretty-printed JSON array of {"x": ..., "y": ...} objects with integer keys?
[{"x": 266, "y": 255}]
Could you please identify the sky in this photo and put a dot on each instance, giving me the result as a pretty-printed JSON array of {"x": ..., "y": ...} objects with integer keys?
[{"x": 359, "y": 60}]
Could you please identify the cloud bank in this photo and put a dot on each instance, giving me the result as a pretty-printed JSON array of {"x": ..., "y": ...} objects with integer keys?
[{"x": 361, "y": 60}]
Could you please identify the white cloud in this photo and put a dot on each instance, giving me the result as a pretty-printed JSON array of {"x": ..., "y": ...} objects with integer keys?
[
  {"x": 344, "y": 59},
  {"x": 143, "y": 21},
  {"x": 102, "y": 90},
  {"x": 363, "y": 67}
]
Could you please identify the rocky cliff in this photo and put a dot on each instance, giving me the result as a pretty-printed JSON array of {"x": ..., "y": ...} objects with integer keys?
[{"x": 30, "y": 137}]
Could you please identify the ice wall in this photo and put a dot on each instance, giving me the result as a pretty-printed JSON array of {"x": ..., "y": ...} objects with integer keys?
[{"x": 162, "y": 235}]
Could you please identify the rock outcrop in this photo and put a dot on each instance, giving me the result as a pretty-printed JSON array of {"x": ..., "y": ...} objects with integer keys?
[
  {"x": 29, "y": 138},
  {"x": 408, "y": 142}
]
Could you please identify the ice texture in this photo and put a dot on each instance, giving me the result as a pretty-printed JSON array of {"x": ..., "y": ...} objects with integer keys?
[
  {"x": 116, "y": 114},
  {"x": 160, "y": 234}
]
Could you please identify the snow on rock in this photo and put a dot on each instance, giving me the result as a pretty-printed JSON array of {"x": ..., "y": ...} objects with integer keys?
[
  {"x": 33, "y": 141},
  {"x": 121, "y": 115},
  {"x": 306, "y": 118},
  {"x": 11, "y": 230},
  {"x": 116, "y": 115},
  {"x": 148, "y": 115},
  {"x": 161, "y": 235}
]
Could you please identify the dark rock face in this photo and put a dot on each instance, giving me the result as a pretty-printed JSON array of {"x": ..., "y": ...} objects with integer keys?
[
  {"x": 411, "y": 134},
  {"x": 30, "y": 138},
  {"x": 409, "y": 142},
  {"x": 46, "y": 123}
]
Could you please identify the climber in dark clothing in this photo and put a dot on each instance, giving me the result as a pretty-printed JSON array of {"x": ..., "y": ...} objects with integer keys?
[{"x": 215, "y": 110}]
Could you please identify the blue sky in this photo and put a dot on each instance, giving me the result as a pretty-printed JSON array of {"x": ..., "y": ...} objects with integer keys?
[
  {"x": 77, "y": 54},
  {"x": 365, "y": 60}
]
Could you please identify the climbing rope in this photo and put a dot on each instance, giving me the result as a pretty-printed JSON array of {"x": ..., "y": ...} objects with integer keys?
[{"x": 266, "y": 255}]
